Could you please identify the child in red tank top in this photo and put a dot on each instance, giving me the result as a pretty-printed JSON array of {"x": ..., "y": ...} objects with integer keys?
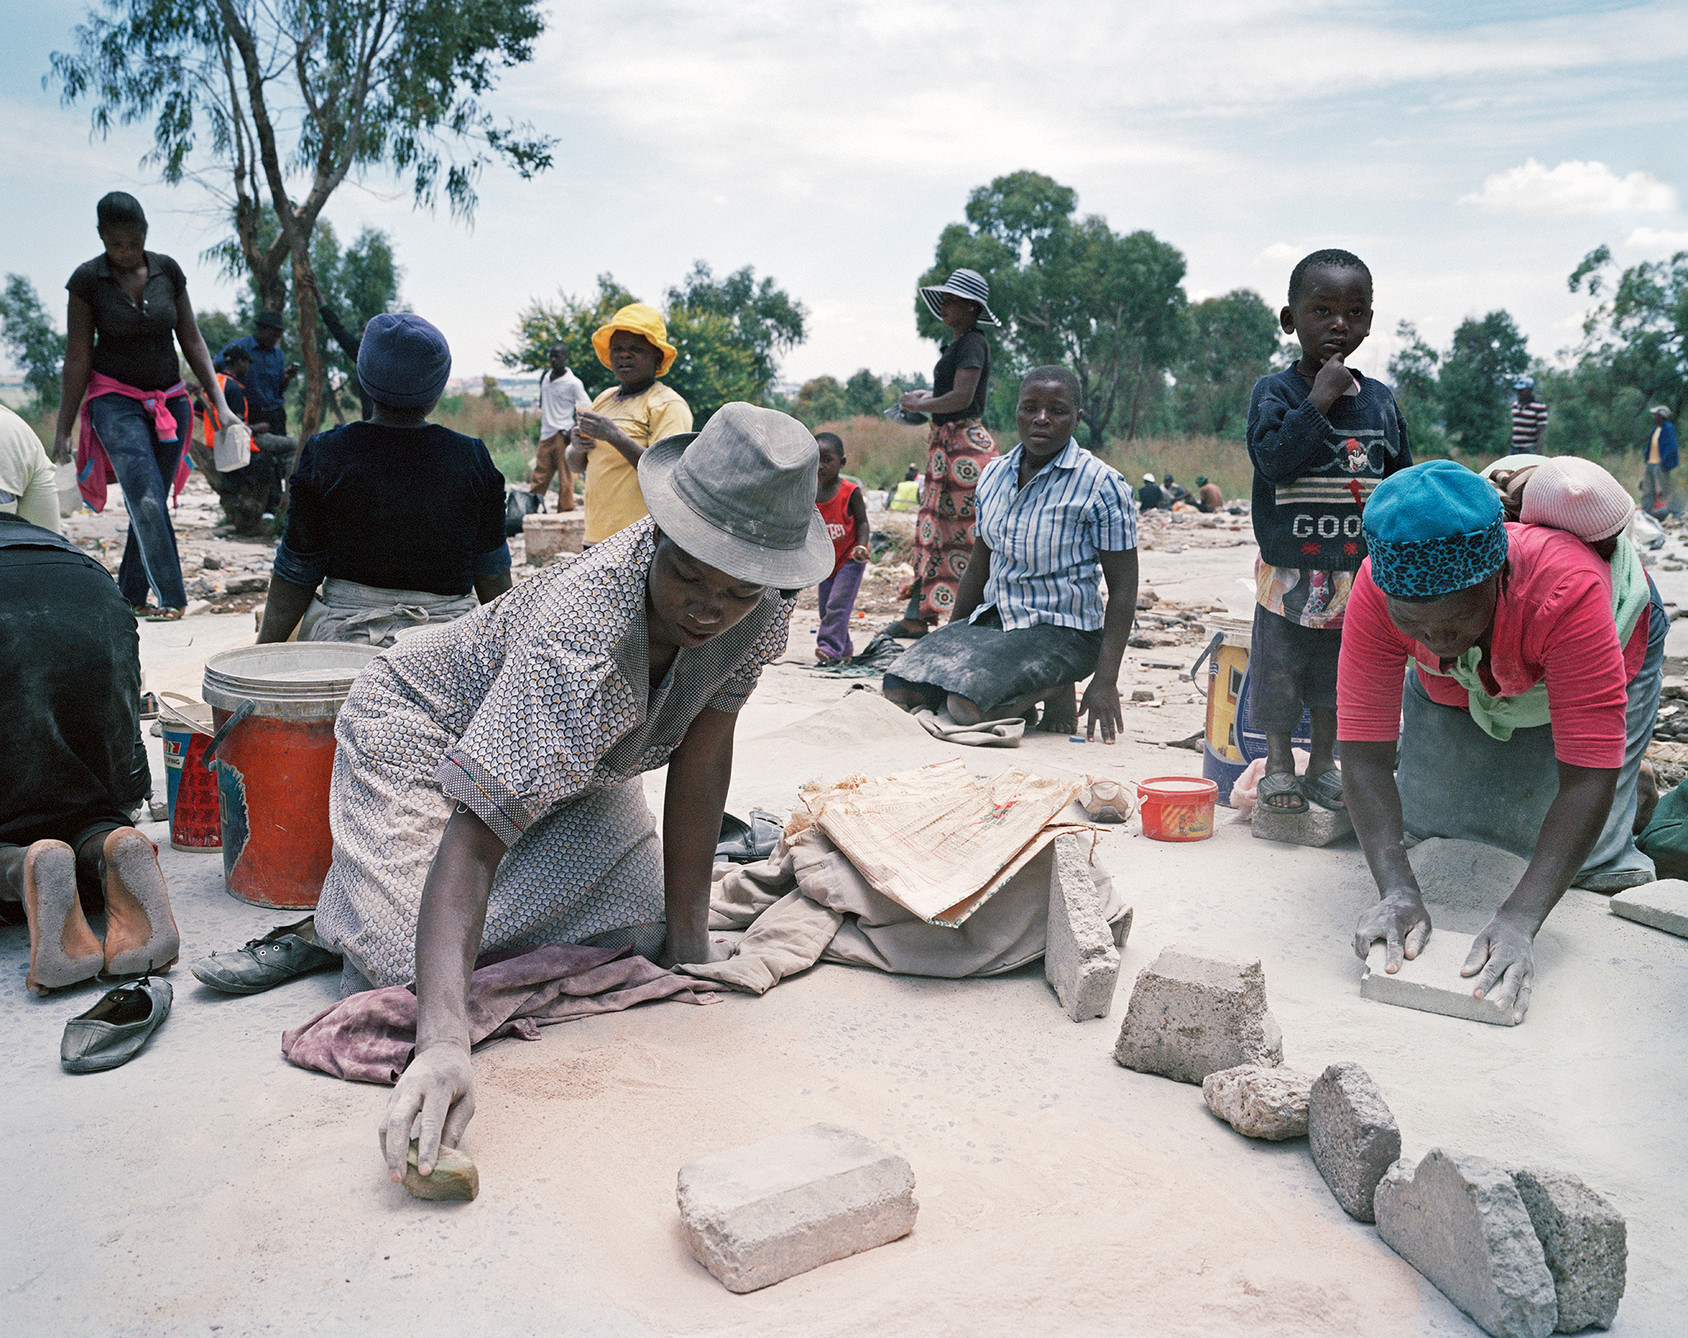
[{"x": 844, "y": 510}]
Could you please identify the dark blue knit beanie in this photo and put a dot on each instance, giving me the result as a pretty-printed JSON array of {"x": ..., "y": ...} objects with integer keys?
[{"x": 403, "y": 361}]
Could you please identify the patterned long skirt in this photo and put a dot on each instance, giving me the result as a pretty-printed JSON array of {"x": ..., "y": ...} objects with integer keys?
[{"x": 957, "y": 454}]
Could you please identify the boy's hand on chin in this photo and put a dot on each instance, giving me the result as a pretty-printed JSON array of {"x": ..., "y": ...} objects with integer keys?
[{"x": 1332, "y": 382}]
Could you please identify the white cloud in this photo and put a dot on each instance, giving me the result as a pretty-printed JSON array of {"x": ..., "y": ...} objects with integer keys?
[
  {"x": 1278, "y": 254},
  {"x": 1572, "y": 188},
  {"x": 1653, "y": 239}
]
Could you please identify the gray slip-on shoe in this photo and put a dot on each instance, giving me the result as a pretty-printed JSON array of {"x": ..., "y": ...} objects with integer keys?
[
  {"x": 283, "y": 954},
  {"x": 113, "y": 1031}
]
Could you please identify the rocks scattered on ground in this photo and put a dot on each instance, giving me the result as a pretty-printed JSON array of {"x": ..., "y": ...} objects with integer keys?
[
  {"x": 1662, "y": 904},
  {"x": 1585, "y": 1242},
  {"x": 1268, "y": 1103},
  {"x": 1462, "y": 1222},
  {"x": 1080, "y": 960},
  {"x": 454, "y": 1176},
  {"x": 1191, "y": 1015},
  {"x": 1318, "y": 826},
  {"x": 756, "y": 1215},
  {"x": 1353, "y": 1136}
]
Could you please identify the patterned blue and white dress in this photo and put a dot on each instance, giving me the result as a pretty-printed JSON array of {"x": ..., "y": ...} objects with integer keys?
[{"x": 537, "y": 713}]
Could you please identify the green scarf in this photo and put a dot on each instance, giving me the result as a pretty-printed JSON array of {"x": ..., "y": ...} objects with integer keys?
[{"x": 1499, "y": 716}]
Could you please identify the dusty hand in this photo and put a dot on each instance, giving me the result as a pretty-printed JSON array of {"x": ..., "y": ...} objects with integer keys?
[
  {"x": 1101, "y": 702},
  {"x": 1403, "y": 924},
  {"x": 439, "y": 1086},
  {"x": 61, "y": 450},
  {"x": 1504, "y": 961},
  {"x": 912, "y": 400},
  {"x": 859, "y": 553}
]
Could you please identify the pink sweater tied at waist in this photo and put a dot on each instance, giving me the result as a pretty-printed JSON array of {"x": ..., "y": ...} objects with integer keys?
[{"x": 93, "y": 466}]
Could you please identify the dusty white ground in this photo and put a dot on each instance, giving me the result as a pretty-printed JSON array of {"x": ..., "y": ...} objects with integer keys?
[{"x": 208, "y": 1187}]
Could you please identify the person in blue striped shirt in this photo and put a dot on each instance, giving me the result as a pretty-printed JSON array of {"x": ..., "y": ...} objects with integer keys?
[{"x": 1030, "y": 618}]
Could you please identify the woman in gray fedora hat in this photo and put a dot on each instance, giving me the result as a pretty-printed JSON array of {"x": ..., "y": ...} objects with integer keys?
[
  {"x": 957, "y": 449},
  {"x": 487, "y": 790}
]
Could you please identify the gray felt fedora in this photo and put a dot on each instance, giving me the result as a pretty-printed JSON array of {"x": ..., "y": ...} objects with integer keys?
[{"x": 740, "y": 496}]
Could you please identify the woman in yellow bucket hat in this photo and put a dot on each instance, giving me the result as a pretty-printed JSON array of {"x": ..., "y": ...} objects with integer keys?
[{"x": 627, "y": 419}]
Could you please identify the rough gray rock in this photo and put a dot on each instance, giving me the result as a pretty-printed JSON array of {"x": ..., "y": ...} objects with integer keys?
[
  {"x": 1352, "y": 1134},
  {"x": 1190, "y": 1016},
  {"x": 454, "y": 1176},
  {"x": 1663, "y": 905},
  {"x": 1461, "y": 1222},
  {"x": 1585, "y": 1243},
  {"x": 1080, "y": 959},
  {"x": 1260, "y": 1102},
  {"x": 756, "y": 1215},
  {"x": 1316, "y": 827}
]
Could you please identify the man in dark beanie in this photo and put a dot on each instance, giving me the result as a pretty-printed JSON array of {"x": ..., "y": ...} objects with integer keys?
[{"x": 271, "y": 374}]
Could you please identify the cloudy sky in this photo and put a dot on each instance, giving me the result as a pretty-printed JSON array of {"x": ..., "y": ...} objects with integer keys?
[{"x": 1471, "y": 153}]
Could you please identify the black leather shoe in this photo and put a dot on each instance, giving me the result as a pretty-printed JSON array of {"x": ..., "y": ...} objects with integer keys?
[
  {"x": 279, "y": 956},
  {"x": 112, "y": 1032}
]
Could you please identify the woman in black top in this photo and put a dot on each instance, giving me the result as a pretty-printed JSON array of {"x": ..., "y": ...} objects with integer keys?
[
  {"x": 958, "y": 449},
  {"x": 128, "y": 310}
]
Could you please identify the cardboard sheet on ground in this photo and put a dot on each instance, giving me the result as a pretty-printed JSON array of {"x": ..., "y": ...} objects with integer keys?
[
  {"x": 936, "y": 841},
  {"x": 1431, "y": 982}
]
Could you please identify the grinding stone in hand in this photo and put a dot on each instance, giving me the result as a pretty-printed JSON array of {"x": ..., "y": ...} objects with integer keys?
[{"x": 454, "y": 1176}]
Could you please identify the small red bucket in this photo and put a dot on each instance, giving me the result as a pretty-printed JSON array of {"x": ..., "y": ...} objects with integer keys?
[
  {"x": 196, "y": 822},
  {"x": 1177, "y": 808}
]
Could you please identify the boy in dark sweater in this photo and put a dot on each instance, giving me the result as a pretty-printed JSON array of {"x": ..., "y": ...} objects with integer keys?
[{"x": 1321, "y": 436}]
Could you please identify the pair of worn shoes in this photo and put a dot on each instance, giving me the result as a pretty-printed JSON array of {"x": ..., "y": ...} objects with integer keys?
[
  {"x": 112, "y": 1032},
  {"x": 140, "y": 932},
  {"x": 285, "y": 953}
]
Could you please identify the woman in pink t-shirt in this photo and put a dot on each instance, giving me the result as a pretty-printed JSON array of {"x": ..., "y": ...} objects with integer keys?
[{"x": 1521, "y": 723}]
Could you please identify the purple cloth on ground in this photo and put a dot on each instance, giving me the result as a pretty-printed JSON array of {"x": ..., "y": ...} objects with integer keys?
[
  {"x": 837, "y": 599},
  {"x": 370, "y": 1037}
]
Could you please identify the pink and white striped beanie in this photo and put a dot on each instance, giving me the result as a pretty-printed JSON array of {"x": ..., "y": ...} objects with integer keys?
[{"x": 1578, "y": 496}]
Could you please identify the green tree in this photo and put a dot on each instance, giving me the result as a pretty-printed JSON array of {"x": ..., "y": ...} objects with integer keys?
[
  {"x": 1475, "y": 383},
  {"x": 864, "y": 393},
  {"x": 821, "y": 399},
  {"x": 1413, "y": 370},
  {"x": 568, "y": 321},
  {"x": 33, "y": 341},
  {"x": 761, "y": 319},
  {"x": 1232, "y": 340},
  {"x": 271, "y": 105},
  {"x": 1072, "y": 291}
]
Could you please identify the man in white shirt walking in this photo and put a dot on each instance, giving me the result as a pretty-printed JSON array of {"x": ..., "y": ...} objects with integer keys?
[{"x": 560, "y": 395}]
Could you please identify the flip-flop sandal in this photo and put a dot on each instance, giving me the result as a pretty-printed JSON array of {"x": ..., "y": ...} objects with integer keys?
[
  {"x": 165, "y": 615},
  {"x": 1325, "y": 789},
  {"x": 1281, "y": 784}
]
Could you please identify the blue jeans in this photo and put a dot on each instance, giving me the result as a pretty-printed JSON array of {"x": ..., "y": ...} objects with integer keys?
[{"x": 145, "y": 468}]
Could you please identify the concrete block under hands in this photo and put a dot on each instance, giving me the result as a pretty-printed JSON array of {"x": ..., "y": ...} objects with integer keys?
[
  {"x": 1663, "y": 905},
  {"x": 1431, "y": 983},
  {"x": 1316, "y": 827},
  {"x": 756, "y": 1215},
  {"x": 1257, "y": 1102},
  {"x": 1190, "y": 1016},
  {"x": 1080, "y": 958},
  {"x": 1585, "y": 1243},
  {"x": 1461, "y": 1222},
  {"x": 1353, "y": 1136}
]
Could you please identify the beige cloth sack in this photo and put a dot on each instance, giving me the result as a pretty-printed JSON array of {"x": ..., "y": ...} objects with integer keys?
[
  {"x": 231, "y": 448},
  {"x": 936, "y": 841}
]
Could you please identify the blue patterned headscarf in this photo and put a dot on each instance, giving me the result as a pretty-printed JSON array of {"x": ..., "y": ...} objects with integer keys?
[{"x": 1434, "y": 530}]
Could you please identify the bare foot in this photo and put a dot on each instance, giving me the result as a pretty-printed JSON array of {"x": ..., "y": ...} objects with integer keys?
[
  {"x": 905, "y": 629},
  {"x": 140, "y": 930},
  {"x": 62, "y": 948}
]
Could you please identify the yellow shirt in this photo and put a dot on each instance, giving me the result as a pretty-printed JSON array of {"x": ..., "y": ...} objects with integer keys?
[
  {"x": 613, "y": 499},
  {"x": 1653, "y": 448}
]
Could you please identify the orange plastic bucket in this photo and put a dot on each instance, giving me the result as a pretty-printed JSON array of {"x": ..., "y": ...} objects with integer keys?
[
  {"x": 274, "y": 708},
  {"x": 1177, "y": 808}
]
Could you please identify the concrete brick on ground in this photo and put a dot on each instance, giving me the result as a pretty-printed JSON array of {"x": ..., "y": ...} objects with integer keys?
[
  {"x": 1316, "y": 827},
  {"x": 1191, "y": 1015},
  {"x": 1269, "y": 1103},
  {"x": 1663, "y": 905},
  {"x": 1352, "y": 1135},
  {"x": 1431, "y": 983},
  {"x": 758, "y": 1214},
  {"x": 1584, "y": 1240},
  {"x": 1080, "y": 958},
  {"x": 1461, "y": 1222}
]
